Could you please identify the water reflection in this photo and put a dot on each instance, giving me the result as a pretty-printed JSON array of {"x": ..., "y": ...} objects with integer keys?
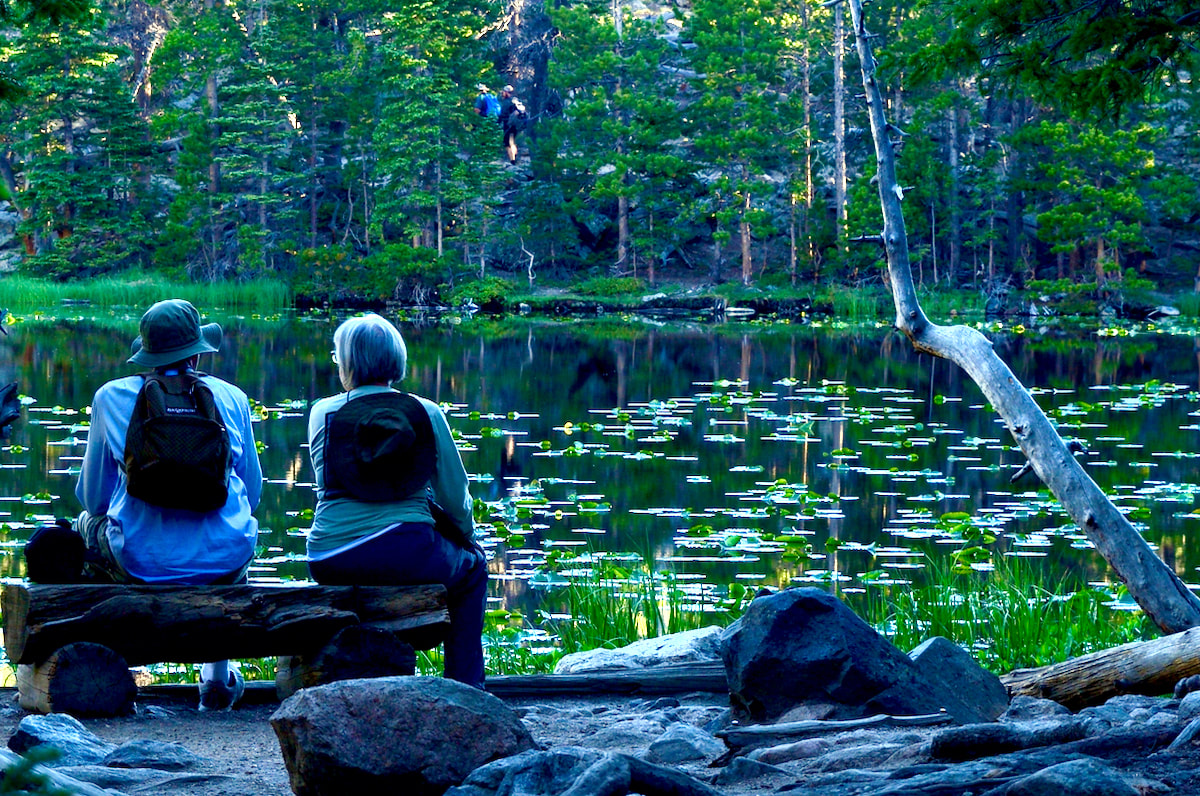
[{"x": 717, "y": 452}]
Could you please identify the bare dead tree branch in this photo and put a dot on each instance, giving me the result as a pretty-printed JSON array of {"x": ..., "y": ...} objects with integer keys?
[{"x": 1155, "y": 587}]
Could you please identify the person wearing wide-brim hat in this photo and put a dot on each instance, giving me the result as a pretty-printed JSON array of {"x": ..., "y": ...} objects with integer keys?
[{"x": 135, "y": 540}]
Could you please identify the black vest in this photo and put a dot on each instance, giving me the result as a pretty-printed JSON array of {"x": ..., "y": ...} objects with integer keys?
[{"x": 379, "y": 448}]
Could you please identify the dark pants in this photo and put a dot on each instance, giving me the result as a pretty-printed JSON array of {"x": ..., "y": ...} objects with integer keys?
[
  {"x": 510, "y": 143},
  {"x": 414, "y": 553}
]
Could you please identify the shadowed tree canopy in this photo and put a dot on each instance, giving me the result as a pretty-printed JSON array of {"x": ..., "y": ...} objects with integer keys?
[{"x": 1092, "y": 56}]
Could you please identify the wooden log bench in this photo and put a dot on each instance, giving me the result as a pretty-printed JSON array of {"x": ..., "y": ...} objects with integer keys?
[{"x": 73, "y": 644}]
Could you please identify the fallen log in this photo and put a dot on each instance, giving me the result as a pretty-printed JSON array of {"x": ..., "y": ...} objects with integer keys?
[
  {"x": 1155, "y": 587},
  {"x": 1150, "y": 667},
  {"x": 677, "y": 678},
  {"x": 194, "y": 624}
]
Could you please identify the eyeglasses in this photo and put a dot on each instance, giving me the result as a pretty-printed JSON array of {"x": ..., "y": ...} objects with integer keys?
[{"x": 333, "y": 356}]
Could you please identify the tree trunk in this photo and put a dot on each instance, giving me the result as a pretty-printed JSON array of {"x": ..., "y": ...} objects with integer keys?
[
  {"x": 1143, "y": 667},
  {"x": 955, "y": 230},
  {"x": 806, "y": 89},
  {"x": 1014, "y": 206},
  {"x": 81, "y": 679},
  {"x": 1159, "y": 592},
  {"x": 744, "y": 231},
  {"x": 792, "y": 240},
  {"x": 839, "y": 119},
  {"x": 619, "y": 267},
  {"x": 214, "y": 109}
]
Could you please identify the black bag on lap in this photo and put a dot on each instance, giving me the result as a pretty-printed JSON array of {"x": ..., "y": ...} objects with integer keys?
[{"x": 55, "y": 554}]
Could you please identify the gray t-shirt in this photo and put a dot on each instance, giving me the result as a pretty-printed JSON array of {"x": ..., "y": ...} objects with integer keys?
[{"x": 342, "y": 522}]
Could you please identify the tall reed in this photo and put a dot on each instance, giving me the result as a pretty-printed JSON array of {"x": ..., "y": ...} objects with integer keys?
[
  {"x": 22, "y": 294},
  {"x": 1007, "y": 617}
]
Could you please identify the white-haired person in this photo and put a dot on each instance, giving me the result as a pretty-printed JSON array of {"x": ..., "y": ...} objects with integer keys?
[{"x": 381, "y": 455}]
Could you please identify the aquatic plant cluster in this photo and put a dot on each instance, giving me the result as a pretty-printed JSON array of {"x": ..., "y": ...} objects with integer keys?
[{"x": 621, "y": 493}]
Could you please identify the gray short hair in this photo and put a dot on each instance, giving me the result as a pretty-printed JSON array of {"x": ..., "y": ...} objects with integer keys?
[{"x": 370, "y": 350}]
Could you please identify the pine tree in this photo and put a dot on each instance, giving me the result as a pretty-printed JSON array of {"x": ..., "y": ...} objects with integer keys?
[
  {"x": 80, "y": 143},
  {"x": 741, "y": 121},
  {"x": 619, "y": 132}
]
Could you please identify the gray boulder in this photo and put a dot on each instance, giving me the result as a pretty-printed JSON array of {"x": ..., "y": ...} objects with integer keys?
[
  {"x": 77, "y": 745},
  {"x": 158, "y": 755},
  {"x": 691, "y": 646},
  {"x": 1077, "y": 777},
  {"x": 534, "y": 773},
  {"x": 572, "y": 771},
  {"x": 953, "y": 669},
  {"x": 804, "y": 646},
  {"x": 412, "y": 735},
  {"x": 1027, "y": 708},
  {"x": 683, "y": 742}
]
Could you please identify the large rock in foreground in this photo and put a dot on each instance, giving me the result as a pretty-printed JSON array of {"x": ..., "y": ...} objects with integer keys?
[
  {"x": 804, "y": 648},
  {"x": 412, "y": 735}
]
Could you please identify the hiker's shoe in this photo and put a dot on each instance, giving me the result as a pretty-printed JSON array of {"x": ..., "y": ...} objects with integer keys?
[{"x": 215, "y": 695}]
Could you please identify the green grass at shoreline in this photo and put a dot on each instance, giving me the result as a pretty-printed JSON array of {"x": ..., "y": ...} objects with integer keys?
[
  {"x": 1014, "y": 616},
  {"x": 138, "y": 290},
  {"x": 21, "y": 294}
]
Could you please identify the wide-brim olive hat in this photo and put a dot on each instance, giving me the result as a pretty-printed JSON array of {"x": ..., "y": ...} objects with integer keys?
[{"x": 171, "y": 332}]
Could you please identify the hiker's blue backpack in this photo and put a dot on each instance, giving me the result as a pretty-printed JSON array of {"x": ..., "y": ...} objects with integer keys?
[{"x": 177, "y": 450}]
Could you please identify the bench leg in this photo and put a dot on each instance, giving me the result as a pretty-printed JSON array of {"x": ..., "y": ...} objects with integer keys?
[
  {"x": 354, "y": 652},
  {"x": 82, "y": 679}
]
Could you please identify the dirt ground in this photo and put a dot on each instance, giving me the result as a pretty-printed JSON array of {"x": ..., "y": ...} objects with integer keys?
[{"x": 238, "y": 749}]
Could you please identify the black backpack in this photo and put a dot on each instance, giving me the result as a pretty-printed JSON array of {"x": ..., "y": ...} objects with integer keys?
[{"x": 177, "y": 451}]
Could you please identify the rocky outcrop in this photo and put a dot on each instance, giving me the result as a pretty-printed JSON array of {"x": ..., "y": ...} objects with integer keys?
[
  {"x": 412, "y": 735},
  {"x": 572, "y": 771}
]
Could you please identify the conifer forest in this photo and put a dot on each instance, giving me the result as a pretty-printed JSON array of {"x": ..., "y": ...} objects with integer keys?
[{"x": 334, "y": 144}]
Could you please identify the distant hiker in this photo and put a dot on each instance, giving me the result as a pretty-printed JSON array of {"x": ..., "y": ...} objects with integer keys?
[
  {"x": 173, "y": 535},
  {"x": 486, "y": 103},
  {"x": 512, "y": 121}
]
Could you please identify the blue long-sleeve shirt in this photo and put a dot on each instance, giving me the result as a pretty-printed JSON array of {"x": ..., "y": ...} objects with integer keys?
[{"x": 170, "y": 545}]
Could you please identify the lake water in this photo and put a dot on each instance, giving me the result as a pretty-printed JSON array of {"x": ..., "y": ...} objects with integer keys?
[{"x": 723, "y": 453}]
